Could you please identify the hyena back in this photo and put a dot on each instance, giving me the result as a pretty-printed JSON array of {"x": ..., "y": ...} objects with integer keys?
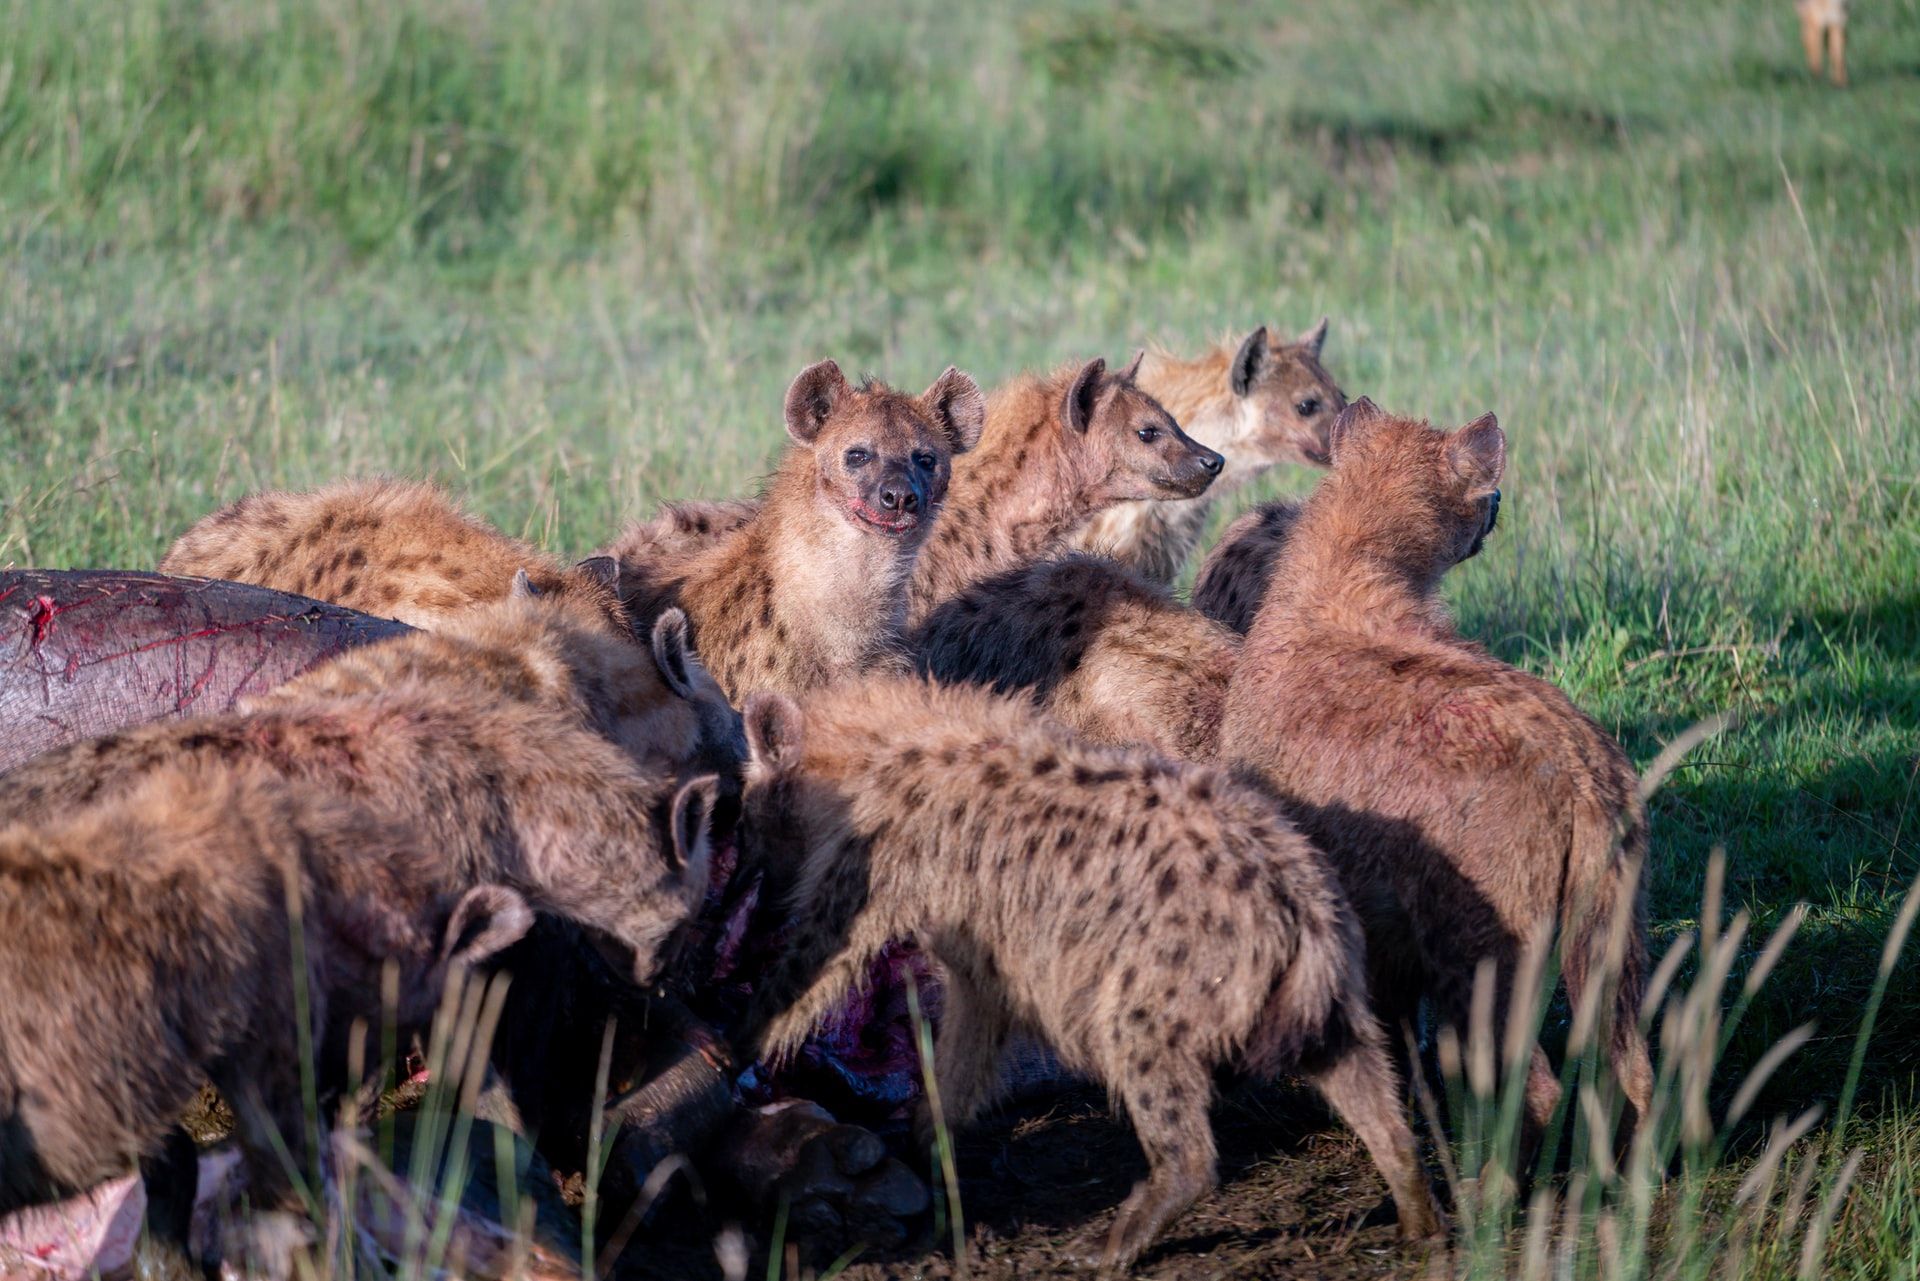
[
  {"x": 518, "y": 788},
  {"x": 1153, "y": 921},
  {"x": 1234, "y": 578},
  {"x": 396, "y": 548},
  {"x": 1097, "y": 647}
]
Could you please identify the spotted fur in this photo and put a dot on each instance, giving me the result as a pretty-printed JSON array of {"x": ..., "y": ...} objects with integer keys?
[
  {"x": 812, "y": 587},
  {"x": 146, "y": 942},
  {"x": 1153, "y": 921},
  {"x": 1233, "y": 579},
  {"x": 1097, "y": 647},
  {"x": 396, "y": 548}
]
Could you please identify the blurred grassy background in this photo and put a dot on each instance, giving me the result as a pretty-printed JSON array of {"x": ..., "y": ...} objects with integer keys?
[{"x": 566, "y": 258}]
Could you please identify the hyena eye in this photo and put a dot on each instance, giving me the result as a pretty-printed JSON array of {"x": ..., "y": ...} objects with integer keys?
[
  {"x": 925, "y": 461},
  {"x": 858, "y": 457},
  {"x": 1307, "y": 408},
  {"x": 1148, "y": 435}
]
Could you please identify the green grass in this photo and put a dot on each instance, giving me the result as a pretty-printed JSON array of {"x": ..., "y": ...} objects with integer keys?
[{"x": 567, "y": 261}]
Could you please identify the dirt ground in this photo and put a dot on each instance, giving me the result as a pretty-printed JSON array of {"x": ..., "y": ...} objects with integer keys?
[{"x": 1039, "y": 1183}]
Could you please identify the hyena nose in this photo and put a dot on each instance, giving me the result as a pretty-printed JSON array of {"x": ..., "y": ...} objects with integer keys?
[
  {"x": 1212, "y": 462},
  {"x": 899, "y": 498}
]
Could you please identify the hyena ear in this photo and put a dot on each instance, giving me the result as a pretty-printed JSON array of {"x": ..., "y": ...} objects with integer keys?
[
  {"x": 1314, "y": 339},
  {"x": 1351, "y": 421},
  {"x": 1132, "y": 372},
  {"x": 773, "y": 729},
  {"x": 1083, "y": 393},
  {"x": 522, "y": 588},
  {"x": 693, "y": 828},
  {"x": 1249, "y": 361},
  {"x": 673, "y": 651},
  {"x": 957, "y": 408},
  {"x": 811, "y": 398},
  {"x": 486, "y": 920},
  {"x": 1478, "y": 452},
  {"x": 604, "y": 570}
]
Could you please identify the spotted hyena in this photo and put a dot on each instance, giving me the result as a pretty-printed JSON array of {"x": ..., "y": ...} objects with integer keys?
[
  {"x": 400, "y": 549},
  {"x": 1265, "y": 401},
  {"x": 1465, "y": 802},
  {"x": 1097, "y": 647},
  {"x": 147, "y": 942},
  {"x": 1056, "y": 450},
  {"x": 813, "y": 587},
  {"x": 1234, "y": 577},
  {"x": 504, "y": 738},
  {"x": 1152, "y": 921}
]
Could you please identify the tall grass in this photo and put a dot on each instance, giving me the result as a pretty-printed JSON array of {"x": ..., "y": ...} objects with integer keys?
[{"x": 566, "y": 257}]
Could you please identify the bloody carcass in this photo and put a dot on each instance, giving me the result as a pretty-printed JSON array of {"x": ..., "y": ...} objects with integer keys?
[{"x": 85, "y": 652}]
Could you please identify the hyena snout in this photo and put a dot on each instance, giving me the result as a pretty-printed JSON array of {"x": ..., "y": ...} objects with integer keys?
[
  {"x": 893, "y": 501},
  {"x": 1193, "y": 467},
  {"x": 898, "y": 492}
]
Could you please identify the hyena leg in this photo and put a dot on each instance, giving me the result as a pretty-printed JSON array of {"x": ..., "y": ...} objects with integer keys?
[
  {"x": 1813, "y": 38},
  {"x": 1626, "y": 1048},
  {"x": 274, "y": 1139},
  {"x": 1168, "y": 1107},
  {"x": 1454, "y": 1000},
  {"x": 807, "y": 984},
  {"x": 1837, "y": 54},
  {"x": 171, "y": 1178},
  {"x": 1360, "y": 1088},
  {"x": 966, "y": 1054}
]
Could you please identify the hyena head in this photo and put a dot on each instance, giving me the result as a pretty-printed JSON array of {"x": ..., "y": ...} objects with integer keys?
[
  {"x": 1138, "y": 448},
  {"x": 1285, "y": 401},
  {"x": 664, "y": 894},
  {"x": 778, "y": 821},
  {"x": 1426, "y": 498},
  {"x": 881, "y": 458}
]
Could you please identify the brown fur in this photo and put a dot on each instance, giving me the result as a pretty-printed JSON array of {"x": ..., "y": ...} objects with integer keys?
[
  {"x": 501, "y": 738},
  {"x": 1152, "y": 921},
  {"x": 1234, "y": 577},
  {"x": 396, "y": 548},
  {"x": 812, "y": 588},
  {"x": 368, "y": 544},
  {"x": 1106, "y": 653},
  {"x": 147, "y": 942},
  {"x": 1464, "y": 801},
  {"x": 653, "y": 554},
  {"x": 1263, "y": 401},
  {"x": 1823, "y": 31},
  {"x": 1056, "y": 450}
]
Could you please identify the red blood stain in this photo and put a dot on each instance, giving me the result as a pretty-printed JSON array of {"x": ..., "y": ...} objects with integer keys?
[{"x": 41, "y": 614}]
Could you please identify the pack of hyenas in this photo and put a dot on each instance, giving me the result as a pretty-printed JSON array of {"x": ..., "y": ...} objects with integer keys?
[{"x": 1253, "y": 834}]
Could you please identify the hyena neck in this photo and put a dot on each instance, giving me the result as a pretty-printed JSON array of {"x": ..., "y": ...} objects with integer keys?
[
  {"x": 1156, "y": 538},
  {"x": 841, "y": 588},
  {"x": 1017, "y": 498},
  {"x": 1334, "y": 577}
]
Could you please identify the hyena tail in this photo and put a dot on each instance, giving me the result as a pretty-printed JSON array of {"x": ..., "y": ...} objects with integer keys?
[
  {"x": 1317, "y": 1008},
  {"x": 1605, "y": 933}
]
